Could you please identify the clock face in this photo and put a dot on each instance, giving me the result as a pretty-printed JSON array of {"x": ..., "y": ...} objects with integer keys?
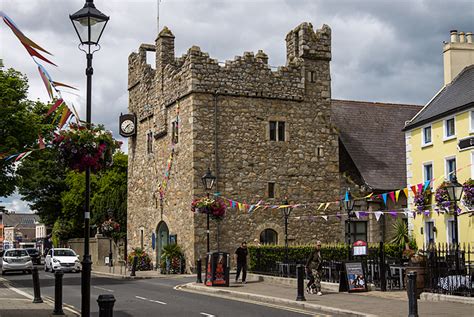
[{"x": 127, "y": 126}]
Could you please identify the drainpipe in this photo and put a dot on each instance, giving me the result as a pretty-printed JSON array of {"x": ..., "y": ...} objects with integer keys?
[{"x": 216, "y": 158}]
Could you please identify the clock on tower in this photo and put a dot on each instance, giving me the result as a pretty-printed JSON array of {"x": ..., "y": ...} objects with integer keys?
[{"x": 128, "y": 125}]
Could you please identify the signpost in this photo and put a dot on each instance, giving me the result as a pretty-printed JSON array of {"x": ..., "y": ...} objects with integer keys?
[
  {"x": 355, "y": 275},
  {"x": 359, "y": 248}
]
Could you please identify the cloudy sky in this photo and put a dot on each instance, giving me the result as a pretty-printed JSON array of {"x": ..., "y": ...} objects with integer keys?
[{"x": 388, "y": 51}]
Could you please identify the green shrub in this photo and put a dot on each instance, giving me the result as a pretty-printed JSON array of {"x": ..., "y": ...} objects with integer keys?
[{"x": 144, "y": 260}]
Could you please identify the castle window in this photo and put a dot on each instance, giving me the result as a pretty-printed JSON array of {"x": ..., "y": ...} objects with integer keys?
[
  {"x": 320, "y": 151},
  {"x": 277, "y": 131},
  {"x": 271, "y": 190},
  {"x": 312, "y": 77},
  {"x": 269, "y": 236},
  {"x": 174, "y": 134},
  {"x": 149, "y": 142}
]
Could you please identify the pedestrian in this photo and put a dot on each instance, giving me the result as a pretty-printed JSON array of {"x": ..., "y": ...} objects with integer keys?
[
  {"x": 241, "y": 258},
  {"x": 314, "y": 267}
]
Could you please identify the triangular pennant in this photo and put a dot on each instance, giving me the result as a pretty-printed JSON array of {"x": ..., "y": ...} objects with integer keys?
[
  {"x": 384, "y": 196},
  {"x": 56, "y": 83},
  {"x": 12, "y": 156},
  {"x": 24, "y": 156},
  {"x": 392, "y": 196},
  {"x": 58, "y": 103},
  {"x": 393, "y": 214},
  {"x": 65, "y": 115},
  {"x": 325, "y": 217},
  {"x": 346, "y": 197},
  {"x": 25, "y": 40},
  {"x": 405, "y": 191},
  {"x": 378, "y": 214},
  {"x": 427, "y": 184},
  {"x": 46, "y": 83},
  {"x": 20, "y": 156},
  {"x": 357, "y": 214},
  {"x": 413, "y": 189},
  {"x": 397, "y": 193},
  {"x": 320, "y": 206},
  {"x": 420, "y": 187},
  {"x": 251, "y": 208},
  {"x": 34, "y": 53},
  {"x": 327, "y": 205}
]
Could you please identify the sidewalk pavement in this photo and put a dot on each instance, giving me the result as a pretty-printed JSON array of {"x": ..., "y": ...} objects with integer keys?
[
  {"x": 16, "y": 303},
  {"x": 373, "y": 303},
  {"x": 122, "y": 273}
]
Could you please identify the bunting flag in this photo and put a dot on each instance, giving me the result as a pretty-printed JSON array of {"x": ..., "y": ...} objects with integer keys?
[
  {"x": 427, "y": 184},
  {"x": 56, "y": 83},
  {"x": 64, "y": 117},
  {"x": 397, "y": 193},
  {"x": 384, "y": 196},
  {"x": 420, "y": 188},
  {"x": 394, "y": 214},
  {"x": 363, "y": 213},
  {"x": 20, "y": 156},
  {"x": 34, "y": 53},
  {"x": 357, "y": 214},
  {"x": 378, "y": 214},
  {"x": 413, "y": 189},
  {"x": 24, "y": 156},
  {"x": 58, "y": 103},
  {"x": 46, "y": 82},
  {"x": 326, "y": 207},
  {"x": 325, "y": 217},
  {"x": 392, "y": 196},
  {"x": 346, "y": 198},
  {"x": 320, "y": 206},
  {"x": 405, "y": 191}
]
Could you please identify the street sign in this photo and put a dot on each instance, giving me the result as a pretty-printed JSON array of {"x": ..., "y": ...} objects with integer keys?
[
  {"x": 360, "y": 247},
  {"x": 355, "y": 277}
]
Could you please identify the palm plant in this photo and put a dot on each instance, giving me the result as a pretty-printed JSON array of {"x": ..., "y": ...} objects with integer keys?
[
  {"x": 401, "y": 233},
  {"x": 171, "y": 258}
]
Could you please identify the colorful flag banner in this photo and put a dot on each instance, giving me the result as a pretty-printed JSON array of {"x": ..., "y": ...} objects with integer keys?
[
  {"x": 325, "y": 217},
  {"x": 384, "y": 195},
  {"x": 413, "y": 189},
  {"x": 378, "y": 214},
  {"x": 392, "y": 196},
  {"x": 405, "y": 191},
  {"x": 397, "y": 193},
  {"x": 420, "y": 188}
]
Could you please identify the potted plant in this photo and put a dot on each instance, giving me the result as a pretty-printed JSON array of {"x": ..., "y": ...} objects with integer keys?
[
  {"x": 468, "y": 188},
  {"x": 172, "y": 259},
  {"x": 422, "y": 199},
  {"x": 81, "y": 147},
  {"x": 144, "y": 261}
]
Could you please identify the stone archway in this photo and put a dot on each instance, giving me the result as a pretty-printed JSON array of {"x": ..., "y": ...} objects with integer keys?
[{"x": 162, "y": 240}]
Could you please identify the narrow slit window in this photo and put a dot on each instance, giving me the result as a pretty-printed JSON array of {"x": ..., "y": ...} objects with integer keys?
[
  {"x": 281, "y": 131},
  {"x": 271, "y": 190},
  {"x": 273, "y": 130}
]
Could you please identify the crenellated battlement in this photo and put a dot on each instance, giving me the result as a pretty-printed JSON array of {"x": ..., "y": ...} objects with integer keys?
[{"x": 246, "y": 75}]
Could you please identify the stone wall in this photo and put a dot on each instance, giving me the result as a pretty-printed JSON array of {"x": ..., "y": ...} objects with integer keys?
[{"x": 224, "y": 125}]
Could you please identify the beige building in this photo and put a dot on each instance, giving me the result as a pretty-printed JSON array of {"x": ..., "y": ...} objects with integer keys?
[{"x": 266, "y": 134}]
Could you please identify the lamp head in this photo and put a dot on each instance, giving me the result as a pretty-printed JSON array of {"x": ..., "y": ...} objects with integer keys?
[{"x": 89, "y": 24}]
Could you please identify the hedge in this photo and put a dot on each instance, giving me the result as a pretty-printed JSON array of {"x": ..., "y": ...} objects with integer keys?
[{"x": 270, "y": 254}]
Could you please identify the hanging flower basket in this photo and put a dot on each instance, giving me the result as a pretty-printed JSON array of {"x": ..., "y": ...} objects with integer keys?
[
  {"x": 422, "y": 200},
  {"x": 80, "y": 147},
  {"x": 442, "y": 197},
  {"x": 109, "y": 227},
  {"x": 214, "y": 207},
  {"x": 468, "y": 188}
]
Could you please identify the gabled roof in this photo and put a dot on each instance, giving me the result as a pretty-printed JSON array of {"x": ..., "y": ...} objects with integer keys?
[
  {"x": 23, "y": 220},
  {"x": 372, "y": 135},
  {"x": 454, "y": 97}
]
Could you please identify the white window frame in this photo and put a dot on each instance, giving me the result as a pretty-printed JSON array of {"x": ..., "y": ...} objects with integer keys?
[
  {"x": 423, "y": 143},
  {"x": 471, "y": 121},
  {"x": 449, "y": 234},
  {"x": 446, "y": 159},
  {"x": 427, "y": 243},
  {"x": 432, "y": 170},
  {"x": 472, "y": 164},
  {"x": 446, "y": 137}
]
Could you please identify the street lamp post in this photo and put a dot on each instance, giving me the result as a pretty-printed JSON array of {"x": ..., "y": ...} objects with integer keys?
[
  {"x": 455, "y": 192},
  {"x": 348, "y": 204},
  {"x": 286, "y": 213},
  {"x": 89, "y": 24},
  {"x": 208, "y": 181}
]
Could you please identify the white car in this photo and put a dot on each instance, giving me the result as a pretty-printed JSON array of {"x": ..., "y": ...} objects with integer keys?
[
  {"x": 16, "y": 260},
  {"x": 62, "y": 259}
]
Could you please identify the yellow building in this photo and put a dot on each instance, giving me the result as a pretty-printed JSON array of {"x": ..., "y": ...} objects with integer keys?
[{"x": 440, "y": 143}]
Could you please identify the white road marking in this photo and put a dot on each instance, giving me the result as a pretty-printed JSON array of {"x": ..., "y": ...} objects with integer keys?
[
  {"x": 104, "y": 289},
  {"x": 150, "y": 300},
  {"x": 49, "y": 275},
  {"x": 206, "y": 314}
]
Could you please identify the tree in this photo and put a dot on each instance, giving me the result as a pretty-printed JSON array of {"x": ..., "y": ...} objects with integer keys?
[
  {"x": 110, "y": 200},
  {"x": 21, "y": 122}
]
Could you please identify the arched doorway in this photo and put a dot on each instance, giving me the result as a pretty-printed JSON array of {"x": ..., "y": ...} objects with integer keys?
[{"x": 162, "y": 240}]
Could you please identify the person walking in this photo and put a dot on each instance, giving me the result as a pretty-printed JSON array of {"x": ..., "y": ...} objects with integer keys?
[
  {"x": 314, "y": 267},
  {"x": 241, "y": 258}
]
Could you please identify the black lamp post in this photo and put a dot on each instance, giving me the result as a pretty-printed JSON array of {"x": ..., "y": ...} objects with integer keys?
[
  {"x": 208, "y": 181},
  {"x": 455, "y": 192},
  {"x": 286, "y": 213},
  {"x": 89, "y": 24},
  {"x": 348, "y": 204}
]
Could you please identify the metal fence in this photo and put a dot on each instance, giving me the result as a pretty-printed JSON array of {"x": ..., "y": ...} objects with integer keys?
[{"x": 450, "y": 269}]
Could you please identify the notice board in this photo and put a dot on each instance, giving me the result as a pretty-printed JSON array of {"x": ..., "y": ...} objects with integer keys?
[{"x": 355, "y": 275}]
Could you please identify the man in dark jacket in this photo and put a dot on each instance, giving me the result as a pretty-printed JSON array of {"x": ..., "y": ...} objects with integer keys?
[
  {"x": 314, "y": 267},
  {"x": 241, "y": 255}
]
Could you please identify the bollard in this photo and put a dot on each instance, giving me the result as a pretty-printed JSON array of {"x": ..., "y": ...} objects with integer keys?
[
  {"x": 106, "y": 305},
  {"x": 383, "y": 268},
  {"x": 412, "y": 298},
  {"x": 134, "y": 265},
  {"x": 199, "y": 271},
  {"x": 36, "y": 286},
  {"x": 300, "y": 280},
  {"x": 58, "y": 293}
]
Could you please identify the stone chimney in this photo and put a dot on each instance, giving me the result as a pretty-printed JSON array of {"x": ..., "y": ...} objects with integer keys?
[{"x": 457, "y": 54}]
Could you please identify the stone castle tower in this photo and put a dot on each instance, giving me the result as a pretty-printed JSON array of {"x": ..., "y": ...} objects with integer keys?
[{"x": 265, "y": 134}]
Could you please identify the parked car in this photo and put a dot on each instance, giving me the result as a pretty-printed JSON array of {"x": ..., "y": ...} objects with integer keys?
[
  {"x": 62, "y": 259},
  {"x": 35, "y": 255},
  {"x": 16, "y": 260}
]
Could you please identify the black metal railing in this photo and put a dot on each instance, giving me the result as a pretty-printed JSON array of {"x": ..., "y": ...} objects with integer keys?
[{"x": 450, "y": 269}]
